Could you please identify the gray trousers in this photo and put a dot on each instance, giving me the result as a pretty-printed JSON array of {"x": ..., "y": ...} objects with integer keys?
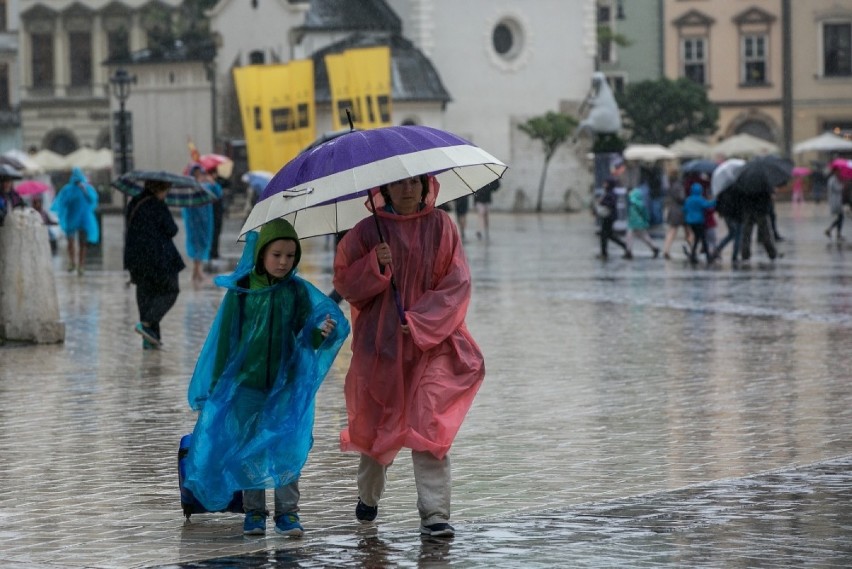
[
  {"x": 286, "y": 499},
  {"x": 431, "y": 477}
]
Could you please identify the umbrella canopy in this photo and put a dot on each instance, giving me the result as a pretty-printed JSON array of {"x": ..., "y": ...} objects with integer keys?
[
  {"x": 9, "y": 173},
  {"x": 744, "y": 145},
  {"x": 50, "y": 160},
  {"x": 257, "y": 179},
  {"x": 184, "y": 191},
  {"x": 222, "y": 165},
  {"x": 30, "y": 166},
  {"x": 826, "y": 142},
  {"x": 725, "y": 174},
  {"x": 648, "y": 152},
  {"x": 843, "y": 168},
  {"x": 31, "y": 187},
  {"x": 324, "y": 189},
  {"x": 765, "y": 173},
  {"x": 698, "y": 167},
  {"x": 691, "y": 147}
]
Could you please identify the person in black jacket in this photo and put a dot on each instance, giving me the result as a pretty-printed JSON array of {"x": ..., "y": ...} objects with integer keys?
[
  {"x": 729, "y": 204},
  {"x": 152, "y": 259}
]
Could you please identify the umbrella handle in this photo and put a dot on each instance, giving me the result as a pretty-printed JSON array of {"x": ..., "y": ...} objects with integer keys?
[{"x": 396, "y": 297}]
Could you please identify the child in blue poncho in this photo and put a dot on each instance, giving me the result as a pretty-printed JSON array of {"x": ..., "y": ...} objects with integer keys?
[{"x": 269, "y": 349}]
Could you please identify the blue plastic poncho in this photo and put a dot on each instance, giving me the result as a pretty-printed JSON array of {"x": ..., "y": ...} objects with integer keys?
[
  {"x": 255, "y": 383},
  {"x": 75, "y": 206}
]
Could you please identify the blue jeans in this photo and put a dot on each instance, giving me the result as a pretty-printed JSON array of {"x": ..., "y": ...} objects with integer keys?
[{"x": 735, "y": 232}]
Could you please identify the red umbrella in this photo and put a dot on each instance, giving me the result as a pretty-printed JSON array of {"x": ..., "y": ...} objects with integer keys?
[
  {"x": 221, "y": 164},
  {"x": 801, "y": 171},
  {"x": 31, "y": 187}
]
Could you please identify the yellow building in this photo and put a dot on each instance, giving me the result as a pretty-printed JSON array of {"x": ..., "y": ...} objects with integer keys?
[{"x": 777, "y": 69}]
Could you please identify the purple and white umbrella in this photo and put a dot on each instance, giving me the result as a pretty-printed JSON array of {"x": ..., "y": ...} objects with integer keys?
[{"x": 325, "y": 188}]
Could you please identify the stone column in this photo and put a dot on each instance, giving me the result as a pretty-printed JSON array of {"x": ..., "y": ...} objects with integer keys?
[{"x": 29, "y": 306}]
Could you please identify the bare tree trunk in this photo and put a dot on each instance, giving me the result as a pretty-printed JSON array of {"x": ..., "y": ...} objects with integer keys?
[{"x": 541, "y": 183}]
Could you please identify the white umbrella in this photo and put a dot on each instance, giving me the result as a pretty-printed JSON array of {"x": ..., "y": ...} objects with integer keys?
[
  {"x": 103, "y": 159},
  {"x": 648, "y": 152},
  {"x": 691, "y": 147},
  {"x": 725, "y": 174},
  {"x": 28, "y": 162},
  {"x": 745, "y": 144},
  {"x": 826, "y": 142}
]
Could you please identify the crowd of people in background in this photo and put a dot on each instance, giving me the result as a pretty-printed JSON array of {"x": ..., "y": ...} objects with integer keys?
[{"x": 684, "y": 205}]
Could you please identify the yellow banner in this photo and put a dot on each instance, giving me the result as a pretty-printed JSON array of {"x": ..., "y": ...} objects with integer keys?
[
  {"x": 360, "y": 80},
  {"x": 279, "y": 117},
  {"x": 249, "y": 96}
]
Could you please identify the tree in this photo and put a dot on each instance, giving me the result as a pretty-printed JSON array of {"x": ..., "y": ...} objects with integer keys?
[
  {"x": 664, "y": 111},
  {"x": 552, "y": 129}
]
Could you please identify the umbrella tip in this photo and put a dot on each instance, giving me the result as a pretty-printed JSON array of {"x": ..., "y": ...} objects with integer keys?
[{"x": 349, "y": 117}]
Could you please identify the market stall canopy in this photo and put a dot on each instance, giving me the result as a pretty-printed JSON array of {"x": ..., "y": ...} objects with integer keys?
[
  {"x": 50, "y": 160},
  {"x": 826, "y": 142},
  {"x": 648, "y": 152},
  {"x": 744, "y": 145},
  {"x": 691, "y": 147}
]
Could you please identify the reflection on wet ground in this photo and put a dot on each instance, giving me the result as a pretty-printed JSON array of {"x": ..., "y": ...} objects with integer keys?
[{"x": 635, "y": 413}]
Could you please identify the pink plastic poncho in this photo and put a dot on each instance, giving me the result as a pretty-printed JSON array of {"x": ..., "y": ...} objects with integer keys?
[{"x": 407, "y": 390}]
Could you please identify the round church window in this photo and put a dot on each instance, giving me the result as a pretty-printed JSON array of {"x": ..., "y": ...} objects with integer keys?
[{"x": 507, "y": 38}]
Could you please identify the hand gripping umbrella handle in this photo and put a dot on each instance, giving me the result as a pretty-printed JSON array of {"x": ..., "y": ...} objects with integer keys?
[{"x": 396, "y": 297}]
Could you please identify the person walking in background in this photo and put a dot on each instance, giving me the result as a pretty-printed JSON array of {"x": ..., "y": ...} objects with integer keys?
[
  {"x": 606, "y": 210},
  {"x": 461, "y": 206},
  {"x": 482, "y": 201},
  {"x": 152, "y": 259},
  {"x": 638, "y": 222},
  {"x": 415, "y": 367},
  {"x": 9, "y": 198},
  {"x": 729, "y": 204},
  {"x": 75, "y": 206},
  {"x": 834, "y": 192},
  {"x": 198, "y": 224},
  {"x": 694, "y": 213},
  {"x": 674, "y": 217},
  {"x": 269, "y": 348}
]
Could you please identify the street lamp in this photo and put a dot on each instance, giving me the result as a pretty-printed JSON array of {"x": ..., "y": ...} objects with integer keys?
[{"x": 121, "y": 81}]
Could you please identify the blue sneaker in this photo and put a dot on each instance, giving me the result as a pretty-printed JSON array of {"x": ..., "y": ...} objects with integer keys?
[
  {"x": 288, "y": 524},
  {"x": 146, "y": 345},
  {"x": 255, "y": 523},
  {"x": 147, "y": 333}
]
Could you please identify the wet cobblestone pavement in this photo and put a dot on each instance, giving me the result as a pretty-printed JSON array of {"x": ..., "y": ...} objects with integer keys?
[{"x": 635, "y": 414}]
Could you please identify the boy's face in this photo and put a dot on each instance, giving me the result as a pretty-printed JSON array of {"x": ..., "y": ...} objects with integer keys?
[
  {"x": 278, "y": 257},
  {"x": 405, "y": 194}
]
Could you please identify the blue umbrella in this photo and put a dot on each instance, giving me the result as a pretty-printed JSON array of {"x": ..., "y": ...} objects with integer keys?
[{"x": 698, "y": 166}]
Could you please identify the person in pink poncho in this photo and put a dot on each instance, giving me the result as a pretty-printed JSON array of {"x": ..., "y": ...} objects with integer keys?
[{"x": 410, "y": 384}]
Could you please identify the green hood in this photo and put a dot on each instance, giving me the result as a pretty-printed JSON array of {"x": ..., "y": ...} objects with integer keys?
[{"x": 273, "y": 231}]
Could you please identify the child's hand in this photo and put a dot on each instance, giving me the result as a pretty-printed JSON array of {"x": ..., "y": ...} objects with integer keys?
[{"x": 327, "y": 327}]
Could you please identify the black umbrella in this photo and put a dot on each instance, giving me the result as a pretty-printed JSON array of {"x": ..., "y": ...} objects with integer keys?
[
  {"x": 184, "y": 191},
  {"x": 764, "y": 174},
  {"x": 698, "y": 166}
]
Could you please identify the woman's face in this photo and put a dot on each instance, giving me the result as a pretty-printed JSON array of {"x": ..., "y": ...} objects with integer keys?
[
  {"x": 278, "y": 257},
  {"x": 405, "y": 195}
]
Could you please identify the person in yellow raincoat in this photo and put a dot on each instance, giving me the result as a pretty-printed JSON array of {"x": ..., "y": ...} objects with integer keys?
[{"x": 410, "y": 384}]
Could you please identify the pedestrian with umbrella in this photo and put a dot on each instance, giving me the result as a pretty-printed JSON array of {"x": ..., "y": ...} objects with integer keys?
[
  {"x": 412, "y": 379},
  {"x": 150, "y": 254},
  {"x": 9, "y": 198},
  {"x": 758, "y": 179},
  {"x": 75, "y": 205},
  {"x": 415, "y": 367}
]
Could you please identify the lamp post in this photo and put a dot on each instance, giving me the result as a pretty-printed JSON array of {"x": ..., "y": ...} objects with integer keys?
[{"x": 121, "y": 81}]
